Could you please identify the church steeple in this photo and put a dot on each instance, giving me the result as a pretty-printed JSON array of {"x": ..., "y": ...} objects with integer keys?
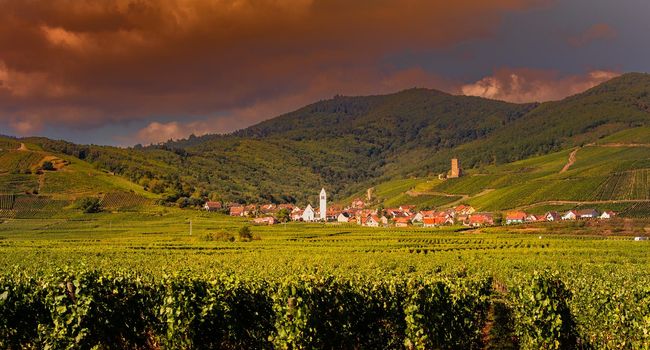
[{"x": 323, "y": 205}]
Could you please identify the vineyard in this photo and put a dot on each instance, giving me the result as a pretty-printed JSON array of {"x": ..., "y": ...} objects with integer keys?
[
  {"x": 28, "y": 207},
  {"x": 599, "y": 174},
  {"x": 38, "y": 207},
  {"x": 626, "y": 185},
  {"x": 123, "y": 201},
  {"x": 8, "y": 144},
  {"x": 7, "y": 201},
  {"x": 18, "y": 161},
  {"x": 132, "y": 280},
  {"x": 638, "y": 210}
]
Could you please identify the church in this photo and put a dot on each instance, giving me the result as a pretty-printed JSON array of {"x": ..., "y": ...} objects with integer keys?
[{"x": 310, "y": 215}]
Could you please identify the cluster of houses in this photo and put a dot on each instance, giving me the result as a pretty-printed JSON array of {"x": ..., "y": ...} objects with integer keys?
[
  {"x": 519, "y": 217},
  {"x": 402, "y": 216}
]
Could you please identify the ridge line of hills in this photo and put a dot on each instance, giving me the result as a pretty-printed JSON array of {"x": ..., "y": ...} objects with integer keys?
[{"x": 348, "y": 144}]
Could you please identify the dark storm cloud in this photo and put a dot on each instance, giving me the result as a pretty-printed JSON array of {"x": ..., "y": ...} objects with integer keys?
[
  {"x": 170, "y": 68},
  {"x": 88, "y": 63}
]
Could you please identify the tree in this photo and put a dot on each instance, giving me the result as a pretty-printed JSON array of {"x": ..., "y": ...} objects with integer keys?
[
  {"x": 284, "y": 215},
  {"x": 183, "y": 202},
  {"x": 89, "y": 205},
  {"x": 245, "y": 234},
  {"x": 498, "y": 219}
]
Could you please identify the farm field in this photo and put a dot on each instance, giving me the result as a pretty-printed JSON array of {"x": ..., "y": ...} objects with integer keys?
[{"x": 292, "y": 278}]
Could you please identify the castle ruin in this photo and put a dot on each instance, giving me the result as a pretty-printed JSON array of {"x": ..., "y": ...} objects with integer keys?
[{"x": 456, "y": 171}]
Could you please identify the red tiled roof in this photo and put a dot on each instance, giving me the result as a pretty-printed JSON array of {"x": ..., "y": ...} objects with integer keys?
[
  {"x": 516, "y": 215},
  {"x": 434, "y": 220},
  {"x": 480, "y": 218},
  {"x": 236, "y": 210}
]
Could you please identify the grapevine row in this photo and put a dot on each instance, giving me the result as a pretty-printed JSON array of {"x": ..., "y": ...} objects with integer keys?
[{"x": 90, "y": 309}]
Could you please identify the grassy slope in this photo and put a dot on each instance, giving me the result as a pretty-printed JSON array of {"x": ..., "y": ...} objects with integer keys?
[
  {"x": 599, "y": 174},
  {"x": 348, "y": 144},
  {"x": 49, "y": 193}
]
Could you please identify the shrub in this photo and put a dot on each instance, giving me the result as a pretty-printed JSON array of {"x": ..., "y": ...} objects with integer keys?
[
  {"x": 89, "y": 205},
  {"x": 219, "y": 236},
  {"x": 245, "y": 234}
]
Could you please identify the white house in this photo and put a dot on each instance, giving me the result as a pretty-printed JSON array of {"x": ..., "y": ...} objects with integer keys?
[
  {"x": 588, "y": 214},
  {"x": 212, "y": 206},
  {"x": 516, "y": 217},
  {"x": 323, "y": 205},
  {"x": 308, "y": 214},
  {"x": 296, "y": 215},
  {"x": 607, "y": 214},
  {"x": 343, "y": 217},
  {"x": 552, "y": 216},
  {"x": 372, "y": 221},
  {"x": 570, "y": 215}
]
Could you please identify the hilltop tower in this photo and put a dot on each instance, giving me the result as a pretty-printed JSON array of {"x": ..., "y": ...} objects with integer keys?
[
  {"x": 456, "y": 171},
  {"x": 323, "y": 205}
]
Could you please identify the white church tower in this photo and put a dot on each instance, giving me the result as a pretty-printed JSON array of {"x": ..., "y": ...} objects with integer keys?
[{"x": 323, "y": 205}]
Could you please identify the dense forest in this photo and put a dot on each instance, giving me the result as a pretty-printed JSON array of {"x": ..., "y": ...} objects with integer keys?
[{"x": 350, "y": 143}]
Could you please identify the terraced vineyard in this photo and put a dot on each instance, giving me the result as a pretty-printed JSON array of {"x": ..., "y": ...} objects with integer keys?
[
  {"x": 18, "y": 161},
  {"x": 124, "y": 201},
  {"x": 39, "y": 207},
  {"x": 561, "y": 285},
  {"x": 7, "y": 201}
]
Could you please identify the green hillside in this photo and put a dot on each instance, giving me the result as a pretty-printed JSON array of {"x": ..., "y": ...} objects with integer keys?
[
  {"x": 348, "y": 144},
  {"x": 38, "y": 183},
  {"x": 613, "y": 173}
]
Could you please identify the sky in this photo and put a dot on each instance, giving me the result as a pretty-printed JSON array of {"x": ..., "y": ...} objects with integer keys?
[{"x": 124, "y": 72}]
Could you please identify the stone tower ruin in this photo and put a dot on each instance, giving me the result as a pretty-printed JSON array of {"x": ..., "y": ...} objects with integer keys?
[{"x": 456, "y": 171}]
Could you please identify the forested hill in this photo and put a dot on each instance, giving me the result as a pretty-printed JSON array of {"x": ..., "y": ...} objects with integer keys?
[{"x": 349, "y": 143}]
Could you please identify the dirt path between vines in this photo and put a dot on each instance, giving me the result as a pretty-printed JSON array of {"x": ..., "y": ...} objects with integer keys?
[
  {"x": 572, "y": 160},
  {"x": 498, "y": 331},
  {"x": 23, "y": 147}
]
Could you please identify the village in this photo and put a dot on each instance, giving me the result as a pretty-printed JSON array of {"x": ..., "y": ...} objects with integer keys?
[{"x": 359, "y": 212}]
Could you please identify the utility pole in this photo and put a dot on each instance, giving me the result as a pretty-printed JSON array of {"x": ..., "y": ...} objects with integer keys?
[{"x": 190, "y": 227}]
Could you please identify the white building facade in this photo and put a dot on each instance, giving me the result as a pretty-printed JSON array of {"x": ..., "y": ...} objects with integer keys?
[
  {"x": 308, "y": 214},
  {"x": 323, "y": 205}
]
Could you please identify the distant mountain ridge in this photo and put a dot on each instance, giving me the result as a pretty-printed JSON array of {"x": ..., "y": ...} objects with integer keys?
[{"x": 347, "y": 144}]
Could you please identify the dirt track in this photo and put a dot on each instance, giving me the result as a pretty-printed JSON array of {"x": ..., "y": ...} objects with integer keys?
[
  {"x": 572, "y": 160},
  {"x": 23, "y": 147}
]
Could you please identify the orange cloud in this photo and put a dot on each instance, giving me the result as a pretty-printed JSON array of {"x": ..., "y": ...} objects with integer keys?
[
  {"x": 530, "y": 85},
  {"x": 600, "y": 31},
  {"x": 127, "y": 60},
  {"x": 26, "y": 127}
]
